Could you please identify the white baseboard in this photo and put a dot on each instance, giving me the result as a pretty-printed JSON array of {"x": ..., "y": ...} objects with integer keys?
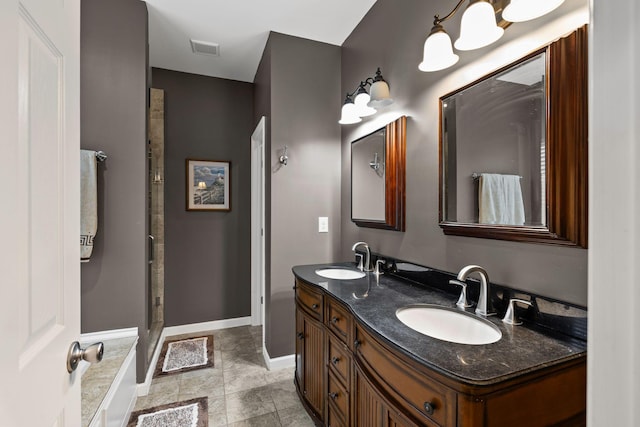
[
  {"x": 108, "y": 335},
  {"x": 143, "y": 388},
  {"x": 206, "y": 326},
  {"x": 282, "y": 362}
]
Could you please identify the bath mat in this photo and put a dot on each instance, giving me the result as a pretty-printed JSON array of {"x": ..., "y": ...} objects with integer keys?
[
  {"x": 185, "y": 354},
  {"x": 189, "y": 413}
]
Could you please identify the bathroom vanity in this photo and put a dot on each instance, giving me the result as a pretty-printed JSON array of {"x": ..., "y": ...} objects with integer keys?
[{"x": 357, "y": 364}]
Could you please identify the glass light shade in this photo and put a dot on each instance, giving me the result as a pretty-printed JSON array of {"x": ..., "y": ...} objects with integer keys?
[
  {"x": 380, "y": 95},
  {"x": 349, "y": 114},
  {"x": 478, "y": 27},
  {"x": 361, "y": 105},
  {"x": 525, "y": 10},
  {"x": 438, "y": 53}
]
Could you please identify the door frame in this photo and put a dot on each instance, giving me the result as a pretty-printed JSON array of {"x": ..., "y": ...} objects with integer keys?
[{"x": 258, "y": 223}]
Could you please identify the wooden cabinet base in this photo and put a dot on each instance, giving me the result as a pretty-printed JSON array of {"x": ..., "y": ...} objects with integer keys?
[{"x": 346, "y": 375}]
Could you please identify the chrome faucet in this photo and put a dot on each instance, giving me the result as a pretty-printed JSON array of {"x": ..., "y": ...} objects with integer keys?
[
  {"x": 484, "y": 307},
  {"x": 367, "y": 262}
]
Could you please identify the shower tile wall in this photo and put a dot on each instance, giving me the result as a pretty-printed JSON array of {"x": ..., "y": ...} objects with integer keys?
[{"x": 156, "y": 136}]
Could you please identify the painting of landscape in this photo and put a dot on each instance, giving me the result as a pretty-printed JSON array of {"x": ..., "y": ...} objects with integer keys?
[{"x": 208, "y": 185}]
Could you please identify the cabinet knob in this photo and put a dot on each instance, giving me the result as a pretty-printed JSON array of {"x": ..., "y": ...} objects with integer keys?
[
  {"x": 429, "y": 408},
  {"x": 334, "y": 320},
  {"x": 333, "y": 395},
  {"x": 356, "y": 343},
  {"x": 335, "y": 360},
  {"x": 315, "y": 306},
  {"x": 294, "y": 287},
  {"x": 300, "y": 335}
]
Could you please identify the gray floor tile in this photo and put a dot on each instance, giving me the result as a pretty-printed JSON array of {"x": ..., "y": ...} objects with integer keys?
[
  {"x": 217, "y": 412},
  {"x": 241, "y": 360},
  {"x": 244, "y": 379},
  {"x": 249, "y": 404},
  {"x": 267, "y": 420},
  {"x": 295, "y": 417},
  {"x": 239, "y": 388},
  {"x": 284, "y": 394},
  {"x": 279, "y": 375}
]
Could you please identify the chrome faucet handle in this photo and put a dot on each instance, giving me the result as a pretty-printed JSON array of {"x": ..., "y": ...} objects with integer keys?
[
  {"x": 367, "y": 262},
  {"x": 462, "y": 300},
  {"x": 360, "y": 257},
  {"x": 510, "y": 317},
  {"x": 379, "y": 262}
]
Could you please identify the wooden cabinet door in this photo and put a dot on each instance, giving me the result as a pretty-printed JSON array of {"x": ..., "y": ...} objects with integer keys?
[
  {"x": 299, "y": 349},
  {"x": 369, "y": 410},
  {"x": 395, "y": 419},
  {"x": 313, "y": 364}
]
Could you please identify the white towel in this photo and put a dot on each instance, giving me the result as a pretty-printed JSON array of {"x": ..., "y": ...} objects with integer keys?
[
  {"x": 88, "y": 203},
  {"x": 500, "y": 199}
]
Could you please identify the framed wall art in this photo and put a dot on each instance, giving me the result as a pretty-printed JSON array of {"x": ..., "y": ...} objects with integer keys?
[{"x": 208, "y": 185}]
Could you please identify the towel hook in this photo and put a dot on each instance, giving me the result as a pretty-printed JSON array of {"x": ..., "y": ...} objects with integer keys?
[
  {"x": 284, "y": 158},
  {"x": 101, "y": 156}
]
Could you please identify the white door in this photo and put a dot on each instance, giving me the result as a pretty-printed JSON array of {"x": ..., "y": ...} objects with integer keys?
[
  {"x": 39, "y": 218},
  {"x": 257, "y": 224}
]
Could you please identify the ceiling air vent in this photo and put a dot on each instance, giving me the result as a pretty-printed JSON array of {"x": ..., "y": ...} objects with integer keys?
[{"x": 205, "y": 48}]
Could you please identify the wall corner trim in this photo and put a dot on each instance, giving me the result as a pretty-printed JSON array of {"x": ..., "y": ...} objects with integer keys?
[{"x": 282, "y": 362}]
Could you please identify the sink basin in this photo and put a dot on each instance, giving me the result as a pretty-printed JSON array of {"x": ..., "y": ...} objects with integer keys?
[
  {"x": 449, "y": 324},
  {"x": 340, "y": 273}
]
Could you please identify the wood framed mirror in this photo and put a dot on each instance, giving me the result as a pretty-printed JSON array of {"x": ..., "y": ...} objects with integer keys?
[
  {"x": 513, "y": 150},
  {"x": 378, "y": 177}
]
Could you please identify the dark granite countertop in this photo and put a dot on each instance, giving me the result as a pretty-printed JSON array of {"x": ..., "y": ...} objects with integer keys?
[{"x": 374, "y": 302}]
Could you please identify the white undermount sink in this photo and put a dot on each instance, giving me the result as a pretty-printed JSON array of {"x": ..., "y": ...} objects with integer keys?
[
  {"x": 449, "y": 324},
  {"x": 340, "y": 273}
]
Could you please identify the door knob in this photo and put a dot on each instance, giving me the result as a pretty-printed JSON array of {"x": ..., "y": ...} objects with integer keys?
[{"x": 91, "y": 354}]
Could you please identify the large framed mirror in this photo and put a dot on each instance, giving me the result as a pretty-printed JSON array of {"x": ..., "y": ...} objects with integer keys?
[
  {"x": 513, "y": 150},
  {"x": 378, "y": 177}
]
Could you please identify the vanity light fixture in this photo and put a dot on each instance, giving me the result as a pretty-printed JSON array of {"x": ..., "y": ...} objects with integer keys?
[
  {"x": 478, "y": 29},
  {"x": 361, "y": 103}
]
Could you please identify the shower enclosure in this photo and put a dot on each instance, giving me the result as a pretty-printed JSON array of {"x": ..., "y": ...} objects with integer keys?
[{"x": 155, "y": 317}]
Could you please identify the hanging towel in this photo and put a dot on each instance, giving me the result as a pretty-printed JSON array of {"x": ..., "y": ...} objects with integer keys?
[
  {"x": 88, "y": 203},
  {"x": 500, "y": 199}
]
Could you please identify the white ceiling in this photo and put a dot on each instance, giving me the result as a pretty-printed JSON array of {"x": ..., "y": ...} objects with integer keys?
[{"x": 241, "y": 28}]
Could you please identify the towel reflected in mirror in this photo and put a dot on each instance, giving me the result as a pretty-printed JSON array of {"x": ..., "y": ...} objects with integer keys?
[{"x": 500, "y": 199}]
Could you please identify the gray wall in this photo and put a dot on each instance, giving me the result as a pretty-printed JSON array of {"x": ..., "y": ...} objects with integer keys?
[
  {"x": 207, "y": 254},
  {"x": 114, "y": 119},
  {"x": 547, "y": 270},
  {"x": 298, "y": 86}
]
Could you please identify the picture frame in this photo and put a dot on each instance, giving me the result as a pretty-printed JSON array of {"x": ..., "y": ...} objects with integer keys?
[{"x": 208, "y": 185}]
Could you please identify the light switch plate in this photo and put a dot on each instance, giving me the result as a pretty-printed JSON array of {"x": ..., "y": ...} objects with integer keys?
[{"x": 323, "y": 224}]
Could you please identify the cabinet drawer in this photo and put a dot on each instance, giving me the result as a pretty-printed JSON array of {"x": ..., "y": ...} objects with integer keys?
[
  {"x": 339, "y": 320},
  {"x": 338, "y": 397},
  {"x": 339, "y": 360},
  {"x": 309, "y": 299},
  {"x": 413, "y": 392}
]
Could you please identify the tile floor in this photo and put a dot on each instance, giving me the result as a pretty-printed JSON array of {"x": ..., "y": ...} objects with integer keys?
[{"x": 240, "y": 389}]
